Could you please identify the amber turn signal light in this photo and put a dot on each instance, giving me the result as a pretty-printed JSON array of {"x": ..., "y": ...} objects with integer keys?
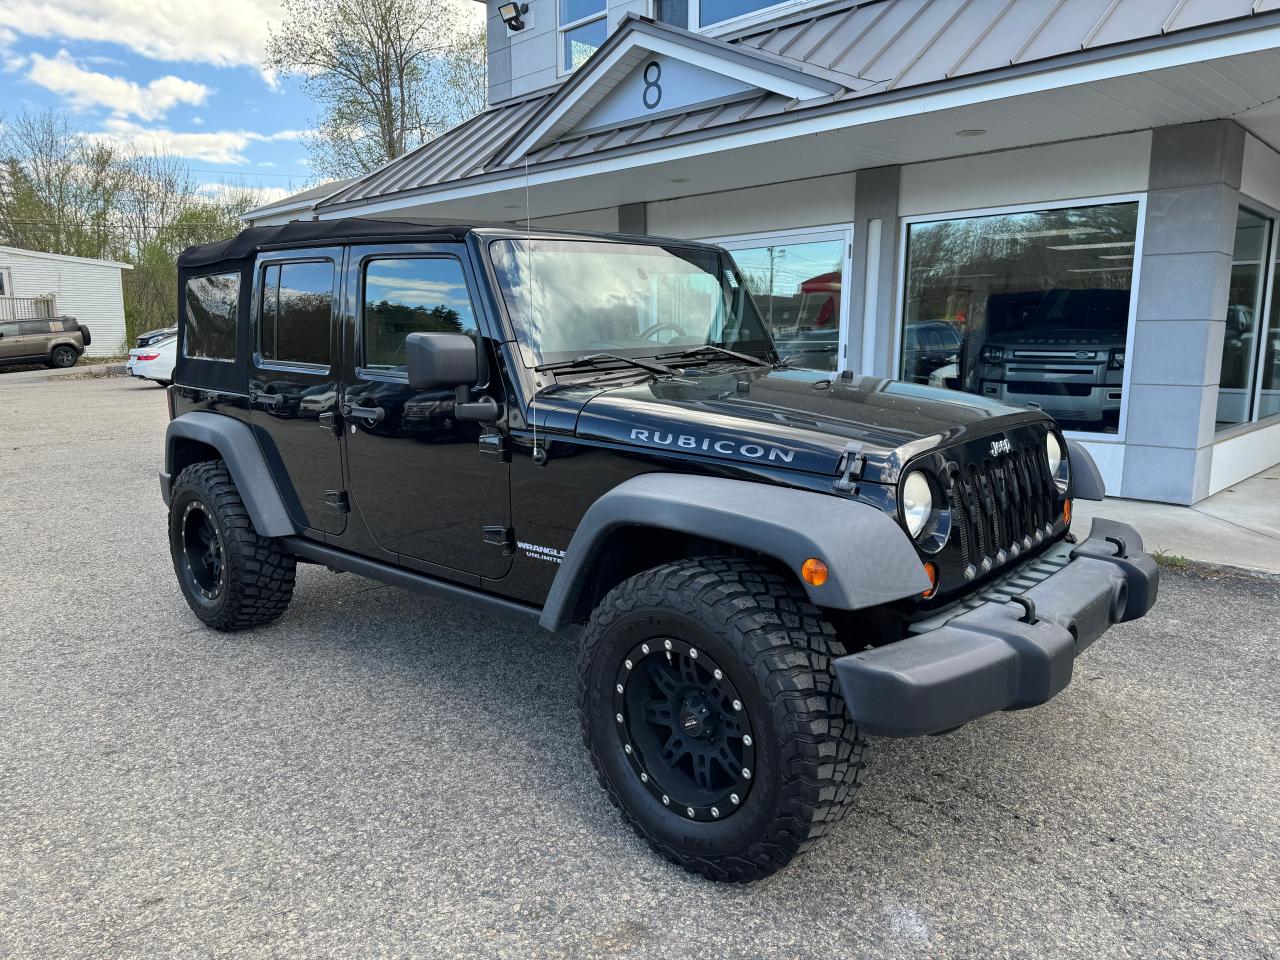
[
  {"x": 931, "y": 571},
  {"x": 1066, "y": 512},
  {"x": 814, "y": 571}
]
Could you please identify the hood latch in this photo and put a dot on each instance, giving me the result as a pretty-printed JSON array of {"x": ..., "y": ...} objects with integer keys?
[{"x": 849, "y": 468}]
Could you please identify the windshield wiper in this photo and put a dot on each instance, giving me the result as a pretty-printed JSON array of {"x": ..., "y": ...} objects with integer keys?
[
  {"x": 711, "y": 347},
  {"x": 592, "y": 359}
]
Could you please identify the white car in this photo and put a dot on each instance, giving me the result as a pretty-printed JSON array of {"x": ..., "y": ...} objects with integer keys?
[{"x": 154, "y": 362}]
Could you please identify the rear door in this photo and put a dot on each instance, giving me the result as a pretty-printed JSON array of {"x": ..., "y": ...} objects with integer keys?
[
  {"x": 419, "y": 478},
  {"x": 11, "y": 341},
  {"x": 293, "y": 381}
]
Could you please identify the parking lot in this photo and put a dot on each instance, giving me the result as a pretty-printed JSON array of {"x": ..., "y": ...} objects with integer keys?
[{"x": 384, "y": 774}]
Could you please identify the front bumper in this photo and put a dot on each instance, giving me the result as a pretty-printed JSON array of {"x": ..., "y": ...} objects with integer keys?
[{"x": 989, "y": 657}]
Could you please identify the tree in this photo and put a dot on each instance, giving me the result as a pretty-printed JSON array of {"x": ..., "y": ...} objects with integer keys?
[
  {"x": 67, "y": 193},
  {"x": 388, "y": 75}
]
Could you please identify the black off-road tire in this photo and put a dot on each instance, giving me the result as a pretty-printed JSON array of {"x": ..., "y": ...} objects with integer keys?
[
  {"x": 256, "y": 582},
  {"x": 63, "y": 356},
  {"x": 776, "y": 649}
]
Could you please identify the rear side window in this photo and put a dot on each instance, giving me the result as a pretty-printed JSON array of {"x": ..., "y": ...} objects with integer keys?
[
  {"x": 211, "y": 302},
  {"x": 404, "y": 295},
  {"x": 297, "y": 309},
  {"x": 34, "y": 328}
]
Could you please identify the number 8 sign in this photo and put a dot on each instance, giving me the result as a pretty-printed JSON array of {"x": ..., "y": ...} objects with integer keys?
[{"x": 652, "y": 94}]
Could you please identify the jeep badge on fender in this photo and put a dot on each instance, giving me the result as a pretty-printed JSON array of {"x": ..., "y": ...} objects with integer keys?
[{"x": 760, "y": 565}]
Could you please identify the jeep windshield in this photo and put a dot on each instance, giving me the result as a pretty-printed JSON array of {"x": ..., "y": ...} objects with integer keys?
[{"x": 570, "y": 298}]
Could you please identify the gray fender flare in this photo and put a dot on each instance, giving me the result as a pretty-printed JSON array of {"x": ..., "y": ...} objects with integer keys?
[
  {"x": 869, "y": 555},
  {"x": 1086, "y": 478},
  {"x": 235, "y": 443}
]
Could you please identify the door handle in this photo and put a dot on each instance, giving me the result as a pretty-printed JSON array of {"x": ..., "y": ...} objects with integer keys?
[
  {"x": 351, "y": 410},
  {"x": 269, "y": 400}
]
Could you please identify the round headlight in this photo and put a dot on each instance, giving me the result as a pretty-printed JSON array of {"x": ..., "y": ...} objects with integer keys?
[
  {"x": 1053, "y": 450},
  {"x": 917, "y": 502}
]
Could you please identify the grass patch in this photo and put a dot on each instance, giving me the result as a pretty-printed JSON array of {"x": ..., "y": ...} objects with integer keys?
[
  {"x": 1174, "y": 561},
  {"x": 93, "y": 361}
]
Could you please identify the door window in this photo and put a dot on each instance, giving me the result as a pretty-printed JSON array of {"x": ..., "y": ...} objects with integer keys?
[
  {"x": 404, "y": 295},
  {"x": 297, "y": 309},
  {"x": 33, "y": 328}
]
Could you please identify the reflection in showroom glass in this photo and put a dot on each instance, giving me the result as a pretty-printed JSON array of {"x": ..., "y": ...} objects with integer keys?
[{"x": 1027, "y": 307}]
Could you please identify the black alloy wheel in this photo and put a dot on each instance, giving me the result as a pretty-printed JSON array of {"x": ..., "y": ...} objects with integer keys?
[
  {"x": 682, "y": 726},
  {"x": 202, "y": 551},
  {"x": 64, "y": 357}
]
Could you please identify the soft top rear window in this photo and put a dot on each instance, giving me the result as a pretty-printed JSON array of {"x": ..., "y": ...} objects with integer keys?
[{"x": 211, "y": 302}]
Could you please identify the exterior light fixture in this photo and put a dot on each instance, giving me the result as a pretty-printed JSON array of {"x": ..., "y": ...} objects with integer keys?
[{"x": 510, "y": 14}]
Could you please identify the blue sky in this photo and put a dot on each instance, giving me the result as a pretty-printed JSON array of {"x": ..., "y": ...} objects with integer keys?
[{"x": 181, "y": 76}]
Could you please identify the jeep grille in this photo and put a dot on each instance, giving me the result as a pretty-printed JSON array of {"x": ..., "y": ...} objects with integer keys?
[{"x": 1001, "y": 507}]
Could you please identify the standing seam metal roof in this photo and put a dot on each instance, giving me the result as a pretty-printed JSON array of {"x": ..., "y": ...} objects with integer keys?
[{"x": 879, "y": 45}]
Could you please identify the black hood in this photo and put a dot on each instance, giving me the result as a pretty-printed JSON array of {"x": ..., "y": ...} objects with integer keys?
[{"x": 793, "y": 419}]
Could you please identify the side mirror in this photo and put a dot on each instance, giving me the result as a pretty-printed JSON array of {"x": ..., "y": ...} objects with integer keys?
[{"x": 441, "y": 360}]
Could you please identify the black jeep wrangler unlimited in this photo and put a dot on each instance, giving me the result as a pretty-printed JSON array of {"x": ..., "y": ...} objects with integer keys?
[{"x": 761, "y": 564}]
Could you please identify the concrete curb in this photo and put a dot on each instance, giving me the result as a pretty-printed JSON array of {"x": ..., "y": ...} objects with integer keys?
[
  {"x": 1207, "y": 568},
  {"x": 89, "y": 372}
]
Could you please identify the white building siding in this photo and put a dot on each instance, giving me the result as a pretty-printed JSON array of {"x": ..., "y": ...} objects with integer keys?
[{"x": 88, "y": 290}]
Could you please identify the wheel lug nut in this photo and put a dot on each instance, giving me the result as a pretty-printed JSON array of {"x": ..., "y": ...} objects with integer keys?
[
  {"x": 746, "y": 741},
  {"x": 619, "y": 688},
  {"x": 667, "y": 644},
  {"x": 628, "y": 664},
  {"x": 719, "y": 674},
  {"x": 627, "y": 747},
  {"x": 689, "y": 810},
  {"x": 644, "y": 778},
  {"x": 746, "y": 774},
  {"x": 644, "y": 648},
  {"x": 733, "y": 797},
  {"x": 619, "y": 718},
  {"x": 693, "y": 654},
  {"x": 715, "y": 812},
  {"x": 737, "y": 704},
  {"x": 666, "y": 800}
]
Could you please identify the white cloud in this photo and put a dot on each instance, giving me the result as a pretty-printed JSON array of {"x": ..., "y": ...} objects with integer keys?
[
  {"x": 219, "y": 147},
  {"x": 85, "y": 89},
  {"x": 227, "y": 33}
]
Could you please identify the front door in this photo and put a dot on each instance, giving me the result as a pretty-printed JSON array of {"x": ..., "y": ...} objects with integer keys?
[
  {"x": 418, "y": 477},
  {"x": 293, "y": 384}
]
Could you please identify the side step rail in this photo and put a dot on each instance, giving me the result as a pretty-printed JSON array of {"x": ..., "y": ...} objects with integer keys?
[{"x": 407, "y": 579}]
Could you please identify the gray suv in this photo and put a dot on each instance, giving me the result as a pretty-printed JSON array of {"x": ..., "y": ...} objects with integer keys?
[{"x": 55, "y": 343}]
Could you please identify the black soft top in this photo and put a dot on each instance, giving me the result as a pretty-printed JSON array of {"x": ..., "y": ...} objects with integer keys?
[{"x": 313, "y": 232}]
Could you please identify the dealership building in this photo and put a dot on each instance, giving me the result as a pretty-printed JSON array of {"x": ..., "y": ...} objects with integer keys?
[{"x": 1068, "y": 203}]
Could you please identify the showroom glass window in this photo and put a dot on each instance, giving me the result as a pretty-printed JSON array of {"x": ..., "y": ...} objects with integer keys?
[
  {"x": 297, "y": 311},
  {"x": 404, "y": 295},
  {"x": 1030, "y": 307},
  {"x": 583, "y": 27},
  {"x": 1268, "y": 403},
  {"x": 1243, "y": 338},
  {"x": 797, "y": 287},
  {"x": 211, "y": 304}
]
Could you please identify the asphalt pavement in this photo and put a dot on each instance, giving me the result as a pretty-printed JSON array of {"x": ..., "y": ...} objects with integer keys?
[{"x": 383, "y": 774}]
